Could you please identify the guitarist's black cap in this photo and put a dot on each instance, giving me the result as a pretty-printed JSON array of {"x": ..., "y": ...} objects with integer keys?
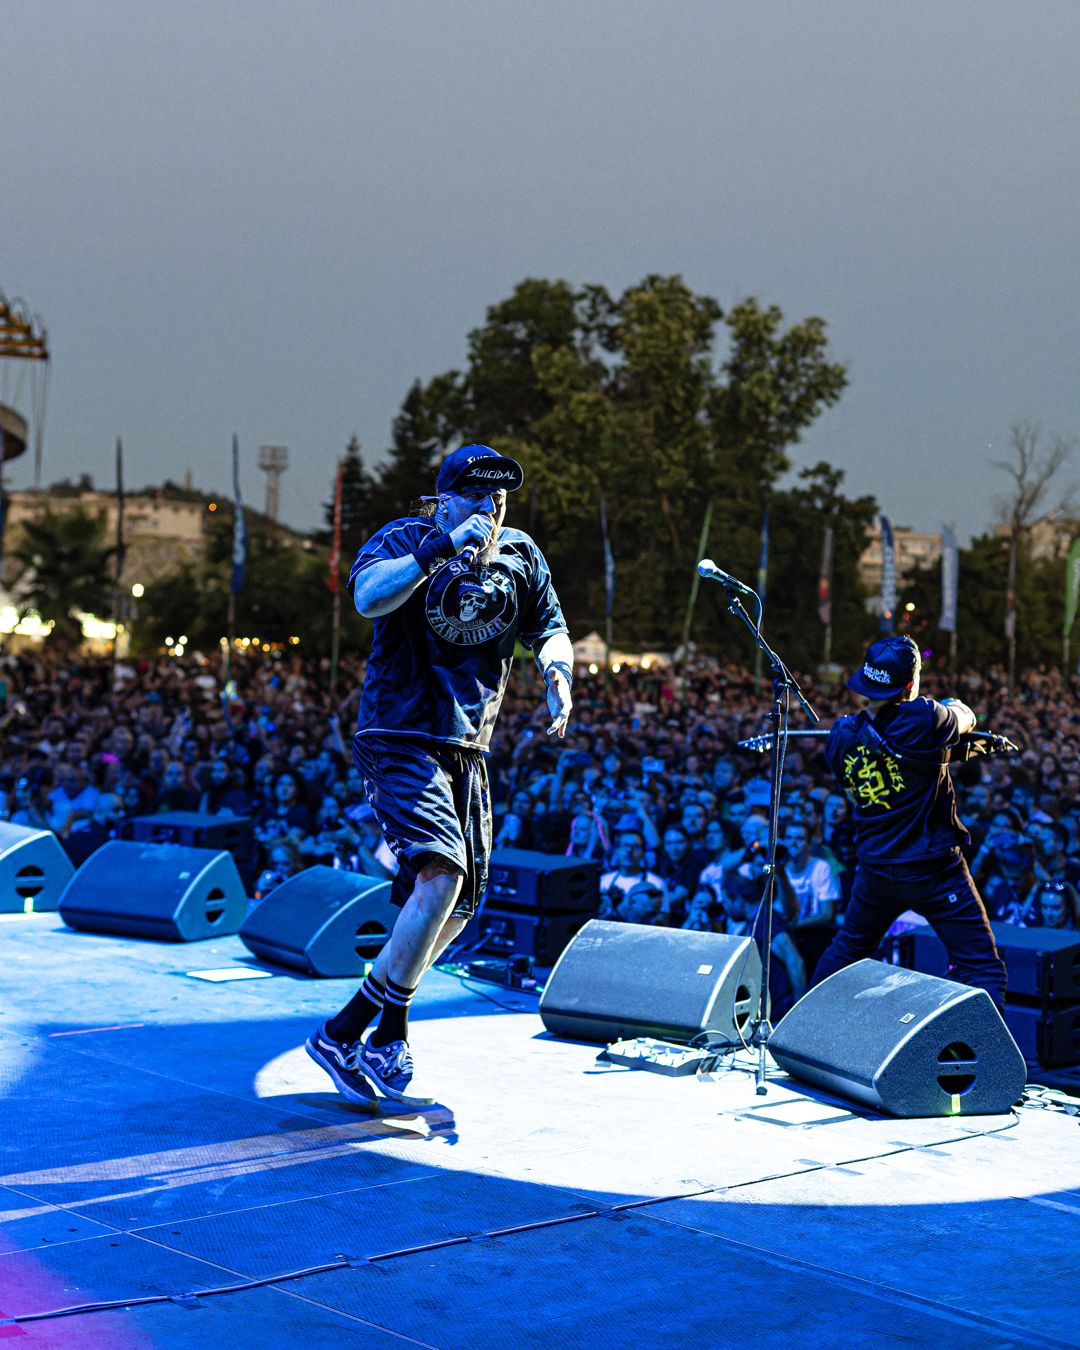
[{"x": 889, "y": 667}]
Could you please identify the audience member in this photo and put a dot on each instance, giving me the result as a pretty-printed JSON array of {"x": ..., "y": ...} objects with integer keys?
[
  {"x": 650, "y": 763},
  {"x": 629, "y": 869},
  {"x": 1058, "y": 905},
  {"x": 817, "y": 892}
]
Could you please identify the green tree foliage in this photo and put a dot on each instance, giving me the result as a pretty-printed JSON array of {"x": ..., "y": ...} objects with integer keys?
[
  {"x": 360, "y": 514},
  {"x": 429, "y": 420},
  {"x": 63, "y": 564},
  {"x": 797, "y": 520},
  {"x": 284, "y": 594},
  {"x": 357, "y": 499},
  {"x": 66, "y": 488},
  {"x": 656, "y": 396},
  {"x": 980, "y": 618}
]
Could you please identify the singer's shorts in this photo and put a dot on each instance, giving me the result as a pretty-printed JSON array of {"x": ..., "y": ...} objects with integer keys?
[{"x": 431, "y": 801}]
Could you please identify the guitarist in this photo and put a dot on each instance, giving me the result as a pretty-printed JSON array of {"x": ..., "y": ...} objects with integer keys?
[{"x": 891, "y": 760}]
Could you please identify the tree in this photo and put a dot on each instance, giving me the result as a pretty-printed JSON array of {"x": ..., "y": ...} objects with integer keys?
[
  {"x": 798, "y": 518},
  {"x": 981, "y": 604},
  {"x": 359, "y": 512},
  {"x": 284, "y": 593},
  {"x": 1032, "y": 469},
  {"x": 66, "y": 488},
  {"x": 64, "y": 565},
  {"x": 429, "y": 419},
  {"x": 357, "y": 499},
  {"x": 655, "y": 397}
]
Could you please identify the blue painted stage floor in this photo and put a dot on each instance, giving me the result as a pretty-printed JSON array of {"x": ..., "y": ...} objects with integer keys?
[{"x": 163, "y": 1135}]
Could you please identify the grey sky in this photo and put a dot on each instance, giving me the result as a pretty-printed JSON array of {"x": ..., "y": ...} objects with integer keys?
[{"x": 272, "y": 217}]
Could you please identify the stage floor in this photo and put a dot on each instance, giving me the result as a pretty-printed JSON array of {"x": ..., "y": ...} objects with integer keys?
[{"x": 164, "y": 1134}]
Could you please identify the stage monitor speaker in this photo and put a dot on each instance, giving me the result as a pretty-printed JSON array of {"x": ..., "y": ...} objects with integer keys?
[
  {"x": 620, "y": 980},
  {"x": 1042, "y": 963},
  {"x": 194, "y": 829},
  {"x": 1049, "y": 1035},
  {"x": 902, "y": 1042},
  {"x": 162, "y": 891},
  {"x": 520, "y": 877},
  {"x": 323, "y": 921},
  {"x": 34, "y": 869},
  {"x": 505, "y": 932}
]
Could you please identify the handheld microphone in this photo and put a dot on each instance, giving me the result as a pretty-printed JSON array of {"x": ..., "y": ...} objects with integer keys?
[
  {"x": 471, "y": 552},
  {"x": 709, "y": 570}
]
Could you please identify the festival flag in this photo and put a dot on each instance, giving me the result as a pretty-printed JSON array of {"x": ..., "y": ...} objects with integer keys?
[
  {"x": 1072, "y": 586},
  {"x": 1010, "y": 599},
  {"x": 333, "y": 576},
  {"x": 609, "y": 561},
  {"x": 703, "y": 544},
  {"x": 824, "y": 586},
  {"x": 239, "y": 546},
  {"x": 950, "y": 572},
  {"x": 888, "y": 575},
  {"x": 121, "y": 547},
  {"x": 763, "y": 559}
]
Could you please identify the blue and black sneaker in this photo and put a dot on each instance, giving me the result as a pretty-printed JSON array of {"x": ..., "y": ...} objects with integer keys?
[
  {"x": 389, "y": 1068},
  {"x": 339, "y": 1059}
]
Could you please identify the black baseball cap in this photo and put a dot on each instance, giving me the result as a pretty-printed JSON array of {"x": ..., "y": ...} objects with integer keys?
[
  {"x": 478, "y": 466},
  {"x": 888, "y": 668}
]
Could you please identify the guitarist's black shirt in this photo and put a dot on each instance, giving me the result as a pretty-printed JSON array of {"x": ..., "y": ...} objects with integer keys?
[{"x": 894, "y": 770}]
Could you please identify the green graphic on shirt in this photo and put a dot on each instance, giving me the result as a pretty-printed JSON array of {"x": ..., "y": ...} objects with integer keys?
[{"x": 872, "y": 777}]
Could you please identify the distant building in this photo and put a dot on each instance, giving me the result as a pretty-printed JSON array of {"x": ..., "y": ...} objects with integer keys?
[
  {"x": 914, "y": 549},
  {"x": 163, "y": 527},
  {"x": 160, "y": 532},
  {"x": 1048, "y": 538}
]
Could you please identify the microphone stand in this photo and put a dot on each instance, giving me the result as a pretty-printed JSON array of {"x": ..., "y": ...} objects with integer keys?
[{"x": 784, "y": 685}]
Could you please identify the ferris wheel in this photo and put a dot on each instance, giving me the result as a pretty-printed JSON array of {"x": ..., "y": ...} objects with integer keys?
[{"x": 24, "y": 367}]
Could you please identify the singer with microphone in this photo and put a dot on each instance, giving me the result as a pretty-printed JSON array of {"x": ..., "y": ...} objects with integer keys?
[{"x": 450, "y": 590}]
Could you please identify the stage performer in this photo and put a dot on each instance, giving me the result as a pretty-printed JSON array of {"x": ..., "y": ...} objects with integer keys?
[
  {"x": 892, "y": 762},
  {"x": 450, "y": 590}
]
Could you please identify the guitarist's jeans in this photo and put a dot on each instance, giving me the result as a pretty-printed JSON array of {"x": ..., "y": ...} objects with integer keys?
[{"x": 942, "y": 891}]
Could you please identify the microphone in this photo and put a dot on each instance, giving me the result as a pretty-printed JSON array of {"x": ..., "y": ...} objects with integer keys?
[
  {"x": 709, "y": 570},
  {"x": 471, "y": 552}
]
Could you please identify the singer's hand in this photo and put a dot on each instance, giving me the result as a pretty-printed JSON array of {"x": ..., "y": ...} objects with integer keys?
[
  {"x": 559, "y": 702},
  {"x": 475, "y": 530}
]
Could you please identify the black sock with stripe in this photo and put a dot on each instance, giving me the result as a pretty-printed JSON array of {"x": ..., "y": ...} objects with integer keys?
[
  {"x": 359, "y": 1013},
  {"x": 394, "y": 1022}
]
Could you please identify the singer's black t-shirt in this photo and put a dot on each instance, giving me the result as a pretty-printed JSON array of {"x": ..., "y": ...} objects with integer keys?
[
  {"x": 439, "y": 663},
  {"x": 898, "y": 781}
]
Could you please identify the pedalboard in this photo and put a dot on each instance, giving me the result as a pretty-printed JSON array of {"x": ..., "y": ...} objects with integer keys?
[{"x": 676, "y": 1061}]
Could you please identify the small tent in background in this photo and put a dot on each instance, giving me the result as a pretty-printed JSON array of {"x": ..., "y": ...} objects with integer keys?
[{"x": 590, "y": 650}]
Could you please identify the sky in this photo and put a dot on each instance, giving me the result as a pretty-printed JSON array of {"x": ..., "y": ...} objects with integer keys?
[{"x": 271, "y": 218}]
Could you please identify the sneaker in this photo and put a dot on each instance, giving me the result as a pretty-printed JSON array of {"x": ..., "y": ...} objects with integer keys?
[
  {"x": 339, "y": 1059},
  {"x": 388, "y": 1068}
]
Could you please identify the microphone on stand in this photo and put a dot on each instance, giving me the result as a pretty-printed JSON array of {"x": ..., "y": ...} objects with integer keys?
[{"x": 709, "y": 570}]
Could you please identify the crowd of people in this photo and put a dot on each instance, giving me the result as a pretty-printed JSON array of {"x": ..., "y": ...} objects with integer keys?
[{"x": 650, "y": 782}]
